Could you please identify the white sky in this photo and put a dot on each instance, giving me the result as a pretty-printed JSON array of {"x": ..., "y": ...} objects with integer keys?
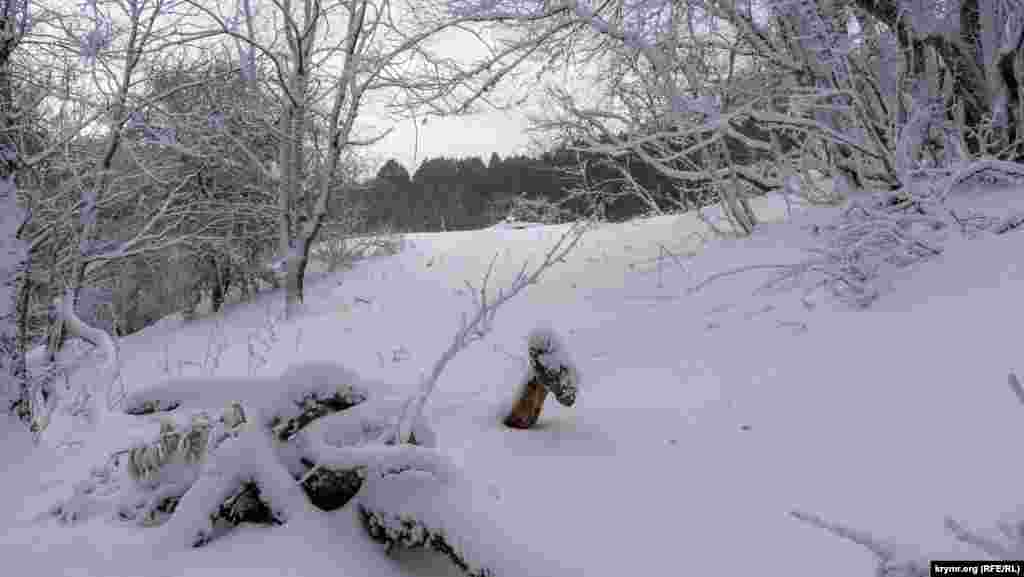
[{"x": 503, "y": 132}]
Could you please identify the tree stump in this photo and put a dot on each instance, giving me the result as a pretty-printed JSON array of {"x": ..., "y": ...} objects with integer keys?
[
  {"x": 527, "y": 408},
  {"x": 550, "y": 371}
]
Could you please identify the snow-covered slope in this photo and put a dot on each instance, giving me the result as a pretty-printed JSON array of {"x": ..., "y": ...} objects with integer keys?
[{"x": 704, "y": 418}]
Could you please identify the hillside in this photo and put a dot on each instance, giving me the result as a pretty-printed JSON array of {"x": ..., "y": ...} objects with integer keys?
[{"x": 704, "y": 418}]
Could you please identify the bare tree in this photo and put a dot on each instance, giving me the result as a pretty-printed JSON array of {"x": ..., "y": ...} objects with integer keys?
[
  {"x": 747, "y": 96},
  {"x": 328, "y": 62},
  {"x": 99, "y": 173},
  {"x": 19, "y": 138}
]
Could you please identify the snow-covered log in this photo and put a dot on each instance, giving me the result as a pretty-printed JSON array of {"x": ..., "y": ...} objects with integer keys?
[{"x": 244, "y": 468}]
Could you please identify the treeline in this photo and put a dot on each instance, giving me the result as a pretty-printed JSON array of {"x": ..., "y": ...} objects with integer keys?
[{"x": 466, "y": 193}]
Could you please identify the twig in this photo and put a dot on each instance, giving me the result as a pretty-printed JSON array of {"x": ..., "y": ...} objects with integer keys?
[
  {"x": 881, "y": 550},
  {"x": 735, "y": 271},
  {"x": 1016, "y": 387},
  {"x": 989, "y": 546}
]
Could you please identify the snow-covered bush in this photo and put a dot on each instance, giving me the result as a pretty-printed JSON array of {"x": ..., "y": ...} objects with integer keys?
[
  {"x": 538, "y": 211},
  {"x": 871, "y": 238},
  {"x": 310, "y": 440},
  {"x": 307, "y": 440},
  {"x": 188, "y": 446},
  {"x": 340, "y": 249},
  {"x": 875, "y": 235},
  {"x": 145, "y": 482}
]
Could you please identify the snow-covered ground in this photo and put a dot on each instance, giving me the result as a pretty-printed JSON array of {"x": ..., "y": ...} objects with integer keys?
[{"x": 704, "y": 418}]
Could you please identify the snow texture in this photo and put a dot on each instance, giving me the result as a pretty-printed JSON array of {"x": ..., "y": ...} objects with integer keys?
[{"x": 742, "y": 405}]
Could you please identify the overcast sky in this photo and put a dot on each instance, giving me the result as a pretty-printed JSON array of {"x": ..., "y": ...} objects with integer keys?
[{"x": 503, "y": 132}]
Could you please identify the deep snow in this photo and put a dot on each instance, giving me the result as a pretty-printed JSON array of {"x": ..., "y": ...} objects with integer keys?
[{"x": 703, "y": 418}]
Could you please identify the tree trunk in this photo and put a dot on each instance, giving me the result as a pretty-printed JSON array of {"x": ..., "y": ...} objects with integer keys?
[
  {"x": 19, "y": 365},
  {"x": 973, "y": 77},
  {"x": 218, "y": 284},
  {"x": 296, "y": 270},
  {"x": 527, "y": 409},
  {"x": 217, "y": 293},
  {"x": 295, "y": 284}
]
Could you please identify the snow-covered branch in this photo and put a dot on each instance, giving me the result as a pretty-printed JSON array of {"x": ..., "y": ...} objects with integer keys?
[
  {"x": 76, "y": 328},
  {"x": 893, "y": 560},
  {"x": 381, "y": 459}
]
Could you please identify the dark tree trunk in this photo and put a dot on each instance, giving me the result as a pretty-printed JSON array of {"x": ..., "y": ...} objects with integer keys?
[{"x": 962, "y": 55}]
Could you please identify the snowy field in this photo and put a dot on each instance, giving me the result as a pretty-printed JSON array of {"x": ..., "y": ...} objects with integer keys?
[{"x": 704, "y": 418}]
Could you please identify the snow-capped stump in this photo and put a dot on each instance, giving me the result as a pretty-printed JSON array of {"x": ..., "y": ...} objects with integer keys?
[{"x": 550, "y": 370}]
